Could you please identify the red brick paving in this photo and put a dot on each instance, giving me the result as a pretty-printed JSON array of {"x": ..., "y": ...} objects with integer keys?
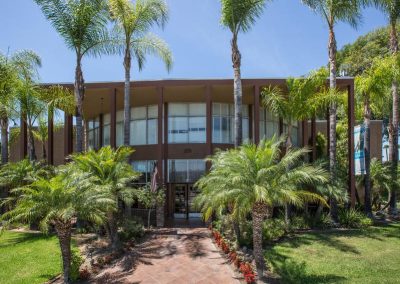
[{"x": 184, "y": 255}]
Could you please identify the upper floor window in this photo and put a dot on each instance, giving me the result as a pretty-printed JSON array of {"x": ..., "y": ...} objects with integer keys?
[
  {"x": 187, "y": 123},
  {"x": 119, "y": 128},
  {"x": 269, "y": 124},
  {"x": 144, "y": 125},
  {"x": 106, "y": 129},
  {"x": 224, "y": 123},
  {"x": 93, "y": 133}
]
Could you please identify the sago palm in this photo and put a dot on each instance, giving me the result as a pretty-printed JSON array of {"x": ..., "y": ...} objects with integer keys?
[
  {"x": 58, "y": 202},
  {"x": 253, "y": 179},
  {"x": 133, "y": 40},
  {"x": 112, "y": 171},
  {"x": 391, "y": 8},
  {"x": 82, "y": 25},
  {"x": 239, "y": 16},
  {"x": 334, "y": 11}
]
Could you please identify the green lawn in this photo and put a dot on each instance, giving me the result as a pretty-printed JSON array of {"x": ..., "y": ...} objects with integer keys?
[
  {"x": 357, "y": 256},
  {"x": 28, "y": 257}
]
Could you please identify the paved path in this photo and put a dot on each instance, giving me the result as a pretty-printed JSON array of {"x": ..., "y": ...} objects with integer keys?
[{"x": 180, "y": 255}]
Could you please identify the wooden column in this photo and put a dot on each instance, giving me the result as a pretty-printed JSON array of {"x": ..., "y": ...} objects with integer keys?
[
  {"x": 113, "y": 118},
  {"x": 208, "y": 119},
  {"x": 166, "y": 142},
  {"x": 256, "y": 118},
  {"x": 23, "y": 139},
  {"x": 351, "y": 119},
  {"x": 313, "y": 139},
  {"x": 160, "y": 95},
  {"x": 68, "y": 132},
  {"x": 251, "y": 127},
  {"x": 101, "y": 130},
  {"x": 50, "y": 138}
]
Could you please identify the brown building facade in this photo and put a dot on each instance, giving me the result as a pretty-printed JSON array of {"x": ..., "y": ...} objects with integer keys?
[{"x": 176, "y": 124}]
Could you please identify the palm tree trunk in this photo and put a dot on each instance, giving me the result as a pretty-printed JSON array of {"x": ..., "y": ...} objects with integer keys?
[
  {"x": 79, "y": 90},
  {"x": 113, "y": 231},
  {"x": 332, "y": 117},
  {"x": 367, "y": 157},
  {"x": 394, "y": 157},
  {"x": 4, "y": 140},
  {"x": 127, "y": 95},
  {"x": 259, "y": 211},
  {"x": 64, "y": 237},
  {"x": 237, "y": 90}
]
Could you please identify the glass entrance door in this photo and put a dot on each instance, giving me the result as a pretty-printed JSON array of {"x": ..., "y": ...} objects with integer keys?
[
  {"x": 180, "y": 207},
  {"x": 183, "y": 201}
]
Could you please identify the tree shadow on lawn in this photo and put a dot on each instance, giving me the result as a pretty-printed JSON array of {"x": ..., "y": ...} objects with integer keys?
[
  {"x": 22, "y": 237},
  {"x": 291, "y": 271}
]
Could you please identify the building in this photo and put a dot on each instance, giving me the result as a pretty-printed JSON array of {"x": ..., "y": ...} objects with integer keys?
[{"x": 177, "y": 123}]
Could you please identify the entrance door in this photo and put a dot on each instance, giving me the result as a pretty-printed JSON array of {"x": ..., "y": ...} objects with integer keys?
[{"x": 184, "y": 195}]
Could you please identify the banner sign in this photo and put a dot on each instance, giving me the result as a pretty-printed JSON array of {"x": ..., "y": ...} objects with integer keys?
[{"x": 359, "y": 155}]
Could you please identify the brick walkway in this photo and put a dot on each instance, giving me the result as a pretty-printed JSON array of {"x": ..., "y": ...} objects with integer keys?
[{"x": 173, "y": 256}]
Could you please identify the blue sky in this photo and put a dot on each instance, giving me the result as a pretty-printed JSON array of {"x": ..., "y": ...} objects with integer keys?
[{"x": 288, "y": 40}]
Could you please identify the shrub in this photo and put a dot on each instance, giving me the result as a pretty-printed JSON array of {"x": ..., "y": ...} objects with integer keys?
[
  {"x": 299, "y": 223},
  {"x": 84, "y": 274},
  {"x": 273, "y": 229},
  {"x": 131, "y": 229},
  {"x": 353, "y": 219},
  {"x": 247, "y": 272},
  {"x": 246, "y": 234},
  {"x": 323, "y": 222},
  {"x": 76, "y": 261}
]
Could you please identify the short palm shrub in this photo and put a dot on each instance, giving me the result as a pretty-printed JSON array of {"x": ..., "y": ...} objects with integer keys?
[
  {"x": 273, "y": 229},
  {"x": 252, "y": 180},
  {"x": 351, "y": 218},
  {"x": 131, "y": 229}
]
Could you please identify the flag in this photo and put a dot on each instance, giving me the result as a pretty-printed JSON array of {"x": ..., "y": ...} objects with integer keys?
[{"x": 153, "y": 185}]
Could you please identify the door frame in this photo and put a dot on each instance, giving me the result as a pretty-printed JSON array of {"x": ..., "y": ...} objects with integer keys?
[{"x": 173, "y": 198}]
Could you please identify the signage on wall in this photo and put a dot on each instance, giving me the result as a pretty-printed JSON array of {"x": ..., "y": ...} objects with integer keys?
[{"x": 359, "y": 154}]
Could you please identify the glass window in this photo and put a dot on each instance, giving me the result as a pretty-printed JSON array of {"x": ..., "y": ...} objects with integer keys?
[
  {"x": 269, "y": 124},
  {"x": 145, "y": 168},
  {"x": 106, "y": 129},
  {"x": 93, "y": 133},
  {"x": 144, "y": 125},
  {"x": 187, "y": 123},
  {"x": 120, "y": 128},
  {"x": 224, "y": 123},
  {"x": 185, "y": 170}
]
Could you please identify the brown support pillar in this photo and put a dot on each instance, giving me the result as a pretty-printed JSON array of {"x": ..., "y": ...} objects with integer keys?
[
  {"x": 113, "y": 118},
  {"x": 208, "y": 119},
  {"x": 67, "y": 134},
  {"x": 251, "y": 115},
  {"x": 101, "y": 130},
  {"x": 351, "y": 119},
  {"x": 280, "y": 126},
  {"x": 23, "y": 139},
  {"x": 256, "y": 114},
  {"x": 160, "y": 95},
  {"x": 166, "y": 142},
  {"x": 314, "y": 139},
  {"x": 50, "y": 138}
]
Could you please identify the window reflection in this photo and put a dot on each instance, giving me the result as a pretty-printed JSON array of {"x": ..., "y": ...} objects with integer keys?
[
  {"x": 185, "y": 170},
  {"x": 269, "y": 124}
]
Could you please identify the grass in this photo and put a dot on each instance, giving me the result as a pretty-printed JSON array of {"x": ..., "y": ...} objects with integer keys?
[
  {"x": 341, "y": 256},
  {"x": 28, "y": 257}
]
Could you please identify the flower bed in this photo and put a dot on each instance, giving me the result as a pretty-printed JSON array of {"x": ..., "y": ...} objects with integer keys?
[{"x": 244, "y": 267}]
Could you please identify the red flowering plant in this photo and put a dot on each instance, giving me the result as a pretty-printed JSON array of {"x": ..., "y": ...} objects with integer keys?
[{"x": 247, "y": 272}]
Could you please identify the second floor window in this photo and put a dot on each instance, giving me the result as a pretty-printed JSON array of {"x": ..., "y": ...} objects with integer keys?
[
  {"x": 187, "y": 123},
  {"x": 144, "y": 125}
]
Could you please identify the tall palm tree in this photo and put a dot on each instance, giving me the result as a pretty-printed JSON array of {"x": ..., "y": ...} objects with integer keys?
[
  {"x": 391, "y": 8},
  {"x": 239, "y": 16},
  {"x": 14, "y": 70},
  {"x": 254, "y": 179},
  {"x": 112, "y": 171},
  {"x": 132, "y": 24},
  {"x": 82, "y": 25},
  {"x": 58, "y": 202},
  {"x": 334, "y": 11}
]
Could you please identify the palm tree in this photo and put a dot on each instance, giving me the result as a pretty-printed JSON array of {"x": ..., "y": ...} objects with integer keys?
[
  {"x": 132, "y": 24},
  {"x": 58, "y": 202},
  {"x": 391, "y": 8},
  {"x": 239, "y": 16},
  {"x": 112, "y": 171},
  {"x": 334, "y": 11},
  {"x": 82, "y": 25},
  {"x": 254, "y": 179}
]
